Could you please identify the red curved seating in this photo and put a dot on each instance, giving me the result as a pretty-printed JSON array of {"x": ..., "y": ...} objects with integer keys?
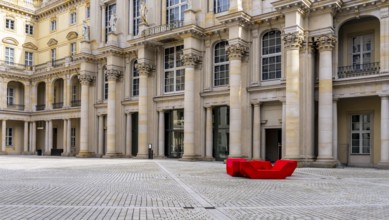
[
  {"x": 280, "y": 170},
  {"x": 233, "y": 166}
]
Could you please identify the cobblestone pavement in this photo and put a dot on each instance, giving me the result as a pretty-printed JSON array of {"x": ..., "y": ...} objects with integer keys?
[{"x": 69, "y": 188}]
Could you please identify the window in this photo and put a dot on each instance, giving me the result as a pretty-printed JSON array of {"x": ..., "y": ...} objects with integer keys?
[
  {"x": 73, "y": 49},
  {"x": 73, "y": 17},
  {"x": 10, "y": 96},
  {"x": 29, "y": 29},
  {"x": 221, "y": 65},
  {"x": 53, "y": 56},
  {"x": 135, "y": 80},
  {"x": 362, "y": 47},
  {"x": 174, "y": 69},
  {"x": 136, "y": 20},
  {"x": 271, "y": 55},
  {"x": 28, "y": 58},
  {"x": 111, "y": 10},
  {"x": 87, "y": 12},
  {"x": 360, "y": 134},
  {"x": 9, "y": 55},
  {"x": 10, "y": 24},
  {"x": 30, "y": 2},
  {"x": 105, "y": 87},
  {"x": 53, "y": 25},
  {"x": 175, "y": 10},
  {"x": 221, "y": 5},
  {"x": 73, "y": 137},
  {"x": 9, "y": 137},
  {"x": 74, "y": 93}
]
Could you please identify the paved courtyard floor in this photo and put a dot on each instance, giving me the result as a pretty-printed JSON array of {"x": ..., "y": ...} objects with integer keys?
[{"x": 34, "y": 187}]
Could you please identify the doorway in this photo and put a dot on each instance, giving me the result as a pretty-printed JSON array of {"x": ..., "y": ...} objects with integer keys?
[
  {"x": 273, "y": 143},
  {"x": 221, "y": 132},
  {"x": 134, "y": 134},
  {"x": 174, "y": 133}
]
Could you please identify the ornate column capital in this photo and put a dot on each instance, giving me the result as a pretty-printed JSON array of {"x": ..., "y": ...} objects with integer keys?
[
  {"x": 237, "y": 51},
  {"x": 113, "y": 74},
  {"x": 326, "y": 42},
  {"x": 144, "y": 69},
  {"x": 190, "y": 59},
  {"x": 85, "y": 79},
  {"x": 293, "y": 40}
]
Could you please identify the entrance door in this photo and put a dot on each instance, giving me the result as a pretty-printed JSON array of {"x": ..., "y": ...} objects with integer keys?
[
  {"x": 273, "y": 139},
  {"x": 134, "y": 134},
  {"x": 221, "y": 132},
  {"x": 360, "y": 152},
  {"x": 174, "y": 133}
]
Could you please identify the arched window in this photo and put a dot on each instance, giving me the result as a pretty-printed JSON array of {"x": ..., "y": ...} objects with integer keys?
[
  {"x": 271, "y": 55},
  {"x": 221, "y": 5},
  {"x": 135, "y": 80},
  {"x": 221, "y": 65}
]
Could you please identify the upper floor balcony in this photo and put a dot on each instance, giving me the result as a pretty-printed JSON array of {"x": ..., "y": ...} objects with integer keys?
[
  {"x": 162, "y": 28},
  {"x": 358, "y": 70}
]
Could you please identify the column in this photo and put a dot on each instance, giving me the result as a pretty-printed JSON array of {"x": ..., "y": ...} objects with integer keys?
[
  {"x": 144, "y": 70},
  {"x": 112, "y": 76},
  {"x": 335, "y": 128},
  {"x": 25, "y": 140},
  {"x": 161, "y": 134},
  {"x": 235, "y": 54},
  {"x": 208, "y": 134},
  {"x": 46, "y": 138},
  {"x": 67, "y": 91},
  {"x": 384, "y": 162},
  {"x": 128, "y": 135},
  {"x": 257, "y": 131},
  {"x": 64, "y": 138},
  {"x": 30, "y": 138},
  {"x": 326, "y": 44},
  {"x": 27, "y": 96},
  {"x": 49, "y": 94},
  {"x": 292, "y": 42},
  {"x": 189, "y": 60},
  {"x": 3, "y": 134},
  {"x": 34, "y": 97},
  {"x": 384, "y": 40},
  {"x": 50, "y": 137},
  {"x": 69, "y": 138},
  {"x": 283, "y": 126},
  {"x": 101, "y": 134},
  {"x": 3, "y": 94},
  {"x": 33, "y": 138},
  {"x": 85, "y": 80}
]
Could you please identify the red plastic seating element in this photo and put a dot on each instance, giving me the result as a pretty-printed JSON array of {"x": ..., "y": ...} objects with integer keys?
[
  {"x": 280, "y": 170},
  {"x": 290, "y": 166},
  {"x": 261, "y": 164},
  {"x": 233, "y": 166}
]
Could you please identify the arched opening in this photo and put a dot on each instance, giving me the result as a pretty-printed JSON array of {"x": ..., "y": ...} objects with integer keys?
[
  {"x": 75, "y": 92},
  {"x": 58, "y": 93},
  {"x": 41, "y": 96},
  {"x": 15, "y": 95}
]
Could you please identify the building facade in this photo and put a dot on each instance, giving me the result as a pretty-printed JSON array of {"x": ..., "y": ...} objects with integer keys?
[{"x": 197, "y": 80}]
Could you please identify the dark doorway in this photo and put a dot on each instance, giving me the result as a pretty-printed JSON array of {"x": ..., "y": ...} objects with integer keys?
[
  {"x": 273, "y": 144},
  {"x": 55, "y": 135},
  {"x": 221, "y": 132},
  {"x": 174, "y": 133},
  {"x": 134, "y": 134}
]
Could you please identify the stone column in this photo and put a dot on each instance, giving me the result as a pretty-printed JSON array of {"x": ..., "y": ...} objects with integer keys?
[
  {"x": 67, "y": 92},
  {"x": 49, "y": 94},
  {"x": 101, "y": 135},
  {"x": 144, "y": 70},
  {"x": 128, "y": 135},
  {"x": 69, "y": 138},
  {"x": 292, "y": 43},
  {"x": 50, "y": 137},
  {"x": 3, "y": 134},
  {"x": 257, "y": 131},
  {"x": 208, "y": 134},
  {"x": 33, "y": 138},
  {"x": 64, "y": 138},
  {"x": 34, "y": 97},
  {"x": 3, "y": 93},
  {"x": 283, "y": 101},
  {"x": 335, "y": 128},
  {"x": 384, "y": 162},
  {"x": 325, "y": 126},
  {"x": 112, "y": 76},
  {"x": 85, "y": 80},
  {"x": 25, "y": 140},
  {"x": 384, "y": 40},
  {"x": 27, "y": 96},
  {"x": 235, "y": 54},
  {"x": 161, "y": 134},
  {"x": 190, "y": 60}
]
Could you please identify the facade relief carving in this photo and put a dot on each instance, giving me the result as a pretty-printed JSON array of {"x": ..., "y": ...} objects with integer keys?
[
  {"x": 326, "y": 42},
  {"x": 293, "y": 40},
  {"x": 237, "y": 51}
]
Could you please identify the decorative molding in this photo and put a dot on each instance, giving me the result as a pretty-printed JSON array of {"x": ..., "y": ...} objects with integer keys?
[
  {"x": 326, "y": 42},
  {"x": 113, "y": 74},
  {"x": 144, "y": 68},
  {"x": 85, "y": 79},
  {"x": 72, "y": 35},
  {"x": 237, "y": 51},
  {"x": 293, "y": 40},
  {"x": 190, "y": 59},
  {"x": 52, "y": 42},
  {"x": 10, "y": 40},
  {"x": 30, "y": 45}
]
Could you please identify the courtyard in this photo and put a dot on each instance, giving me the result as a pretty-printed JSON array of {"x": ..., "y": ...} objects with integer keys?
[{"x": 33, "y": 187}]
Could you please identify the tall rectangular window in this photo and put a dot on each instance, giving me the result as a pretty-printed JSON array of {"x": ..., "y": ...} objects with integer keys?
[
  {"x": 73, "y": 17},
  {"x": 362, "y": 47},
  {"x": 136, "y": 21},
  {"x": 10, "y": 24},
  {"x": 221, "y": 71},
  {"x": 74, "y": 93},
  {"x": 29, "y": 29},
  {"x": 135, "y": 80},
  {"x": 73, "y": 49},
  {"x": 111, "y": 10},
  {"x": 87, "y": 12},
  {"x": 10, "y": 96},
  {"x": 73, "y": 137},
  {"x": 53, "y": 56},
  {"x": 53, "y": 25},
  {"x": 271, "y": 55},
  {"x": 105, "y": 87},
  {"x": 28, "y": 57},
  {"x": 221, "y": 5},
  {"x": 9, "y": 55},
  {"x": 174, "y": 69},
  {"x": 175, "y": 10},
  {"x": 9, "y": 137},
  {"x": 360, "y": 134}
]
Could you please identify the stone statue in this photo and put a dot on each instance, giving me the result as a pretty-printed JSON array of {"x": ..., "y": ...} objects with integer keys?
[
  {"x": 112, "y": 23},
  {"x": 189, "y": 4},
  {"x": 85, "y": 31},
  {"x": 143, "y": 12}
]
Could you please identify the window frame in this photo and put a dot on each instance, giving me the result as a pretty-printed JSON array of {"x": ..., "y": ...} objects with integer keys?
[
  {"x": 87, "y": 12},
  {"x": 361, "y": 52},
  {"x": 181, "y": 5},
  {"x": 10, "y": 24},
  {"x": 217, "y": 9},
  {"x": 73, "y": 18},
  {"x": 10, "y": 96},
  {"x": 109, "y": 11},
  {"x": 9, "y": 137},
  {"x": 8, "y": 56},
  {"x": 73, "y": 49},
  {"x": 53, "y": 56},
  {"x": 53, "y": 25},
  {"x": 361, "y": 131},
  {"x": 28, "y": 58},
  {"x": 73, "y": 137},
  {"x": 134, "y": 80},
  {"x": 178, "y": 69},
  {"x": 136, "y": 17},
  {"x": 225, "y": 64},
  {"x": 29, "y": 30},
  {"x": 105, "y": 87},
  {"x": 271, "y": 55}
]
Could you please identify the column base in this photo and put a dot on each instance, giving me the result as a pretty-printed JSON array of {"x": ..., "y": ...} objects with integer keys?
[
  {"x": 236, "y": 156},
  {"x": 85, "y": 155},
  {"x": 127, "y": 156},
  {"x": 26, "y": 153},
  {"x": 142, "y": 156},
  {"x": 324, "y": 163},
  {"x": 208, "y": 159},
  {"x": 190, "y": 158},
  {"x": 113, "y": 155},
  {"x": 383, "y": 165},
  {"x": 46, "y": 154},
  {"x": 160, "y": 157},
  {"x": 67, "y": 155},
  {"x": 3, "y": 153},
  {"x": 302, "y": 162}
]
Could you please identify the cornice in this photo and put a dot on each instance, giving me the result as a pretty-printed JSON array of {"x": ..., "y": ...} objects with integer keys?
[
  {"x": 56, "y": 7},
  {"x": 285, "y": 5},
  {"x": 16, "y": 8},
  {"x": 239, "y": 17}
]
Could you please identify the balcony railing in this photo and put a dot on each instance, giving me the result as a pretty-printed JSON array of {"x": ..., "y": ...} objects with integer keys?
[
  {"x": 15, "y": 106},
  {"x": 163, "y": 28},
  {"x": 15, "y": 66},
  {"x": 40, "y": 107},
  {"x": 358, "y": 70},
  {"x": 57, "y": 105},
  {"x": 75, "y": 103}
]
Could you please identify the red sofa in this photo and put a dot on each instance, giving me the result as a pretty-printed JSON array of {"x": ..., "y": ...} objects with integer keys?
[
  {"x": 280, "y": 170},
  {"x": 233, "y": 165}
]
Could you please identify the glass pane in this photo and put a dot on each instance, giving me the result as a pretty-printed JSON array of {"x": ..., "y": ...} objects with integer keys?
[
  {"x": 366, "y": 122},
  {"x": 356, "y": 44}
]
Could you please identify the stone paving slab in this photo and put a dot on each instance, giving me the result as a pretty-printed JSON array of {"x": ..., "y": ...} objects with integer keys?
[{"x": 33, "y": 187}]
